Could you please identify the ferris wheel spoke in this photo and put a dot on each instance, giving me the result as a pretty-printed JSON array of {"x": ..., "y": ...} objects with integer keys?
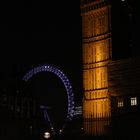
[{"x": 46, "y": 116}]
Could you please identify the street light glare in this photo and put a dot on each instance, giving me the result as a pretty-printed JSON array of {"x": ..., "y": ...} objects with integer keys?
[{"x": 46, "y": 135}]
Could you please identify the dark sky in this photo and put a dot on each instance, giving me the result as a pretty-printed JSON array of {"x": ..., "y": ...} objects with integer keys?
[{"x": 38, "y": 32}]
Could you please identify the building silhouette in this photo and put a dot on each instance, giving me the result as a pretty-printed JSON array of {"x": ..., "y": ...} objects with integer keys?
[
  {"x": 19, "y": 115},
  {"x": 110, "y": 67}
]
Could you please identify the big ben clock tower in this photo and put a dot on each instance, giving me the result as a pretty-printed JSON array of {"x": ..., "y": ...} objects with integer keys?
[{"x": 96, "y": 46}]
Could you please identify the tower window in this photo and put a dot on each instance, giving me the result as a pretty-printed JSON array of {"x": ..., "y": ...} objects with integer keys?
[
  {"x": 120, "y": 103},
  {"x": 133, "y": 101}
]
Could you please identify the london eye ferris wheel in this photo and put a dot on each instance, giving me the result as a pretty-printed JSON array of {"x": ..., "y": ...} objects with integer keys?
[{"x": 56, "y": 101}]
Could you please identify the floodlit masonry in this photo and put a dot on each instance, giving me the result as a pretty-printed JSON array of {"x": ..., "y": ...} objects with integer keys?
[{"x": 96, "y": 44}]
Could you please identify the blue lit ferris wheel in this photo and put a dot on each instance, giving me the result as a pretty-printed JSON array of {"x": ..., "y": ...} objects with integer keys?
[{"x": 64, "y": 79}]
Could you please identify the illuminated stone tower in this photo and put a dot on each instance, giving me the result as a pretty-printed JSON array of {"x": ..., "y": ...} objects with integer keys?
[{"x": 96, "y": 44}]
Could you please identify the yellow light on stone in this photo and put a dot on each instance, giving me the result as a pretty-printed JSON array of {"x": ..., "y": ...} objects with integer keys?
[{"x": 96, "y": 48}]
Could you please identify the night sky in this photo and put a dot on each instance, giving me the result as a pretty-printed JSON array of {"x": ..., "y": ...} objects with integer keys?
[{"x": 39, "y": 32}]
